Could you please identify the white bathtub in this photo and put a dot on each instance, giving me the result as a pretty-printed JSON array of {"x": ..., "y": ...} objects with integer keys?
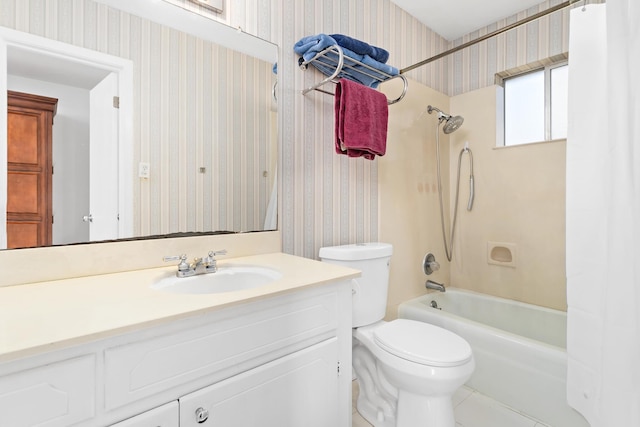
[{"x": 519, "y": 349}]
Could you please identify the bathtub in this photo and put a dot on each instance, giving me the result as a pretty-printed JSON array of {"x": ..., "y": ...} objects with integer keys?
[{"x": 519, "y": 349}]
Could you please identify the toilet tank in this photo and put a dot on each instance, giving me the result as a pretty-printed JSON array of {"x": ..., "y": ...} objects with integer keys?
[{"x": 369, "y": 291}]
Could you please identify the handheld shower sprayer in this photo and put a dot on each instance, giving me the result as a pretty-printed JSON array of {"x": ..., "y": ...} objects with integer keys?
[{"x": 467, "y": 150}]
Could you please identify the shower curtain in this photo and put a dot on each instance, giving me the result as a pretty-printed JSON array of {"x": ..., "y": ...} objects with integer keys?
[{"x": 603, "y": 213}]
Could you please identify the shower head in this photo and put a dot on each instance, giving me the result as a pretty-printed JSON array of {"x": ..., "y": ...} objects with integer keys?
[{"x": 451, "y": 123}]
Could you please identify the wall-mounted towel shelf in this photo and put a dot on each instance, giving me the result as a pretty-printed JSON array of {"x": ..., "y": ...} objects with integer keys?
[{"x": 336, "y": 64}]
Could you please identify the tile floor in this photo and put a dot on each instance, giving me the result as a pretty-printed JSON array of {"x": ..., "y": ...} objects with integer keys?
[{"x": 472, "y": 409}]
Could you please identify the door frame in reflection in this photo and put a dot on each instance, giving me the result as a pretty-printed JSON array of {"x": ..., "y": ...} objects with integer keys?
[{"x": 71, "y": 63}]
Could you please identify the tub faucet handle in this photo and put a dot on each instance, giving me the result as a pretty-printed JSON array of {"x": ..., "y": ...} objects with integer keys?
[{"x": 429, "y": 264}]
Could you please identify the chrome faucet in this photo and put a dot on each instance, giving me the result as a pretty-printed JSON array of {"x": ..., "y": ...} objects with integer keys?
[
  {"x": 197, "y": 265},
  {"x": 204, "y": 265},
  {"x": 430, "y": 284}
]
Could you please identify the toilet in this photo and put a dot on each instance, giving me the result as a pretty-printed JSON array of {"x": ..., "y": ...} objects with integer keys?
[{"x": 407, "y": 370}]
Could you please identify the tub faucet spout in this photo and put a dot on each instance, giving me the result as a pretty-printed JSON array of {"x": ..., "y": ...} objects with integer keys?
[{"x": 430, "y": 284}]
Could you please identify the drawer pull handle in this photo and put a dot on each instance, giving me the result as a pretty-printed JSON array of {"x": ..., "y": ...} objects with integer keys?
[{"x": 201, "y": 415}]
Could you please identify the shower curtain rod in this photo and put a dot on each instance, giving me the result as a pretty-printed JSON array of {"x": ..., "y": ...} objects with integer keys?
[{"x": 491, "y": 34}]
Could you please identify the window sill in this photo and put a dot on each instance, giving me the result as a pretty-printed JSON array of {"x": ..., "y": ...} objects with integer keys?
[{"x": 527, "y": 144}]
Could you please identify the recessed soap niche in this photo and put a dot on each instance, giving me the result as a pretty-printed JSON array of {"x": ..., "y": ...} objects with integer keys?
[{"x": 503, "y": 254}]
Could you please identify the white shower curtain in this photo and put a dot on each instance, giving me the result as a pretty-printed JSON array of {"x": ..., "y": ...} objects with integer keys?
[{"x": 603, "y": 214}]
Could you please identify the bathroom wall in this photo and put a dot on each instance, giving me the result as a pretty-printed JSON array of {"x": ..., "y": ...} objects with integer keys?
[
  {"x": 520, "y": 199},
  {"x": 409, "y": 209},
  {"x": 520, "y": 191},
  {"x": 475, "y": 67},
  {"x": 325, "y": 198},
  {"x": 328, "y": 199}
]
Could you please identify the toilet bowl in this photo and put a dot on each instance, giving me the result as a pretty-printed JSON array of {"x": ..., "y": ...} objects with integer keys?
[
  {"x": 423, "y": 364},
  {"x": 407, "y": 370}
]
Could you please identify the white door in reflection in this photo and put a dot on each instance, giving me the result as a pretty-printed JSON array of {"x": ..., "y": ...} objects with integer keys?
[{"x": 103, "y": 159}]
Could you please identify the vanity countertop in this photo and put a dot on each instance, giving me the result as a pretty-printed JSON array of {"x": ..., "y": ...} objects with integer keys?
[{"x": 46, "y": 316}]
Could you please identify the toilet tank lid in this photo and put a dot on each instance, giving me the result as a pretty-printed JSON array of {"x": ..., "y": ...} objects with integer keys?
[{"x": 357, "y": 251}]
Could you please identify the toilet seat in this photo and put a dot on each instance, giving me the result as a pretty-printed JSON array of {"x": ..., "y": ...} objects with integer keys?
[{"x": 422, "y": 343}]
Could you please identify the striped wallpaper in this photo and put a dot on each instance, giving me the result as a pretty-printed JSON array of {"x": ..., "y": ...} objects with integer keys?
[
  {"x": 325, "y": 199},
  {"x": 196, "y": 105},
  {"x": 328, "y": 199},
  {"x": 475, "y": 67}
]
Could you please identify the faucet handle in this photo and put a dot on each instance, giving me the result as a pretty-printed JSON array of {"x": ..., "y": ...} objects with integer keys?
[
  {"x": 212, "y": 254},
  {"x": 210, "y": 261},
  {"x": 429, "y": 264},
  {"x": 183, "y": 265}
]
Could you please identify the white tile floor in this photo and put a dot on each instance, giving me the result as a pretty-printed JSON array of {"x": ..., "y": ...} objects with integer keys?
[{"x": 472, "y": 409}]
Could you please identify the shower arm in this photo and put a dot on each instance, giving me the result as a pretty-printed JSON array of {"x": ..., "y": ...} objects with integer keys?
[{"x": 441, "y": 114}]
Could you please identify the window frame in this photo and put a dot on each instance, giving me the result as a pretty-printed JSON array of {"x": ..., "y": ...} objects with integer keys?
[{"x": 501, "y": 102}]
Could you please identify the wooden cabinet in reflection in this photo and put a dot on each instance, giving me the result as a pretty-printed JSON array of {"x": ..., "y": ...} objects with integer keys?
[{"x": 29, "y": 169}]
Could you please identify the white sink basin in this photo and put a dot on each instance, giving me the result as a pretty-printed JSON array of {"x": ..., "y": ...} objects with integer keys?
[{"x": 228, "y": 278}]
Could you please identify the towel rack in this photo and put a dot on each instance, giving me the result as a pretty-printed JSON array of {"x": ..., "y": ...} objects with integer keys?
[{"x": 343, "y": 64}]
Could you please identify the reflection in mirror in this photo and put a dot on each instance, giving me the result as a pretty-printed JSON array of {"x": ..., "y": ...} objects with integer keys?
[{"x": 203, "y": 134}]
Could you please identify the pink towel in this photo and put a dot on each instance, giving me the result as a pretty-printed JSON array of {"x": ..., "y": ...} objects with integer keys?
[{"x": 361, "y": 115}]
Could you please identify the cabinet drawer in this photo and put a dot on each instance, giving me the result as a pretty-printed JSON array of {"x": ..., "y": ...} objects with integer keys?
[
  {"x": 59, "y": 394},
  {"x": 238, "y": 340}
]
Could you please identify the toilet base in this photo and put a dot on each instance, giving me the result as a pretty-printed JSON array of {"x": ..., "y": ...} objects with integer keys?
[
  {"x": 377, "y": 398},
  {"x": 430, "y": 411}
]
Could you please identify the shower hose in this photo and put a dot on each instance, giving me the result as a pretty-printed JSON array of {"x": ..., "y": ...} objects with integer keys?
[{"x": 448, "y": 247}]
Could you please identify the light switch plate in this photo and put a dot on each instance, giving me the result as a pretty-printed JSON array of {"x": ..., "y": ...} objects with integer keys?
[{"x": 143, "y": 170}]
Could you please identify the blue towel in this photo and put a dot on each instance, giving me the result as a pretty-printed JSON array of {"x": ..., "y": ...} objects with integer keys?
[
  {"x": 309, "y": 46},
  {"x": 361, "y": 47}
]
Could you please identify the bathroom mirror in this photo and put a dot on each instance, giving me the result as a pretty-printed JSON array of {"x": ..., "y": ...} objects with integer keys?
[{"x": 203, "y": 150}]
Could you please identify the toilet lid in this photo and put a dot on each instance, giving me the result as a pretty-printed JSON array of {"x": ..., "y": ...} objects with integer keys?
[{"x": 422, "y": 343}]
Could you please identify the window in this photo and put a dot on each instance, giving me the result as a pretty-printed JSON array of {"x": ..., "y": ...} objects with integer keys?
[{"x": 535, "y": 105}]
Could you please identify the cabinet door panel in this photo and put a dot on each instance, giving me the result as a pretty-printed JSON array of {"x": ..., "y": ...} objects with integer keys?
[
  {"x": 300, "y": 389},
  {"x": 164, "y": 416},
  {"x": 55, "y": 395}
]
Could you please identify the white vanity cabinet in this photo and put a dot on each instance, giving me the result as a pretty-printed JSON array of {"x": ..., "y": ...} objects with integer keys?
[
  {"x": 53, "y": 394},
  {"x": 281, "y": 360},
  {"x": 295, "y": 390},
  {"x": 165, "y": 416}
]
